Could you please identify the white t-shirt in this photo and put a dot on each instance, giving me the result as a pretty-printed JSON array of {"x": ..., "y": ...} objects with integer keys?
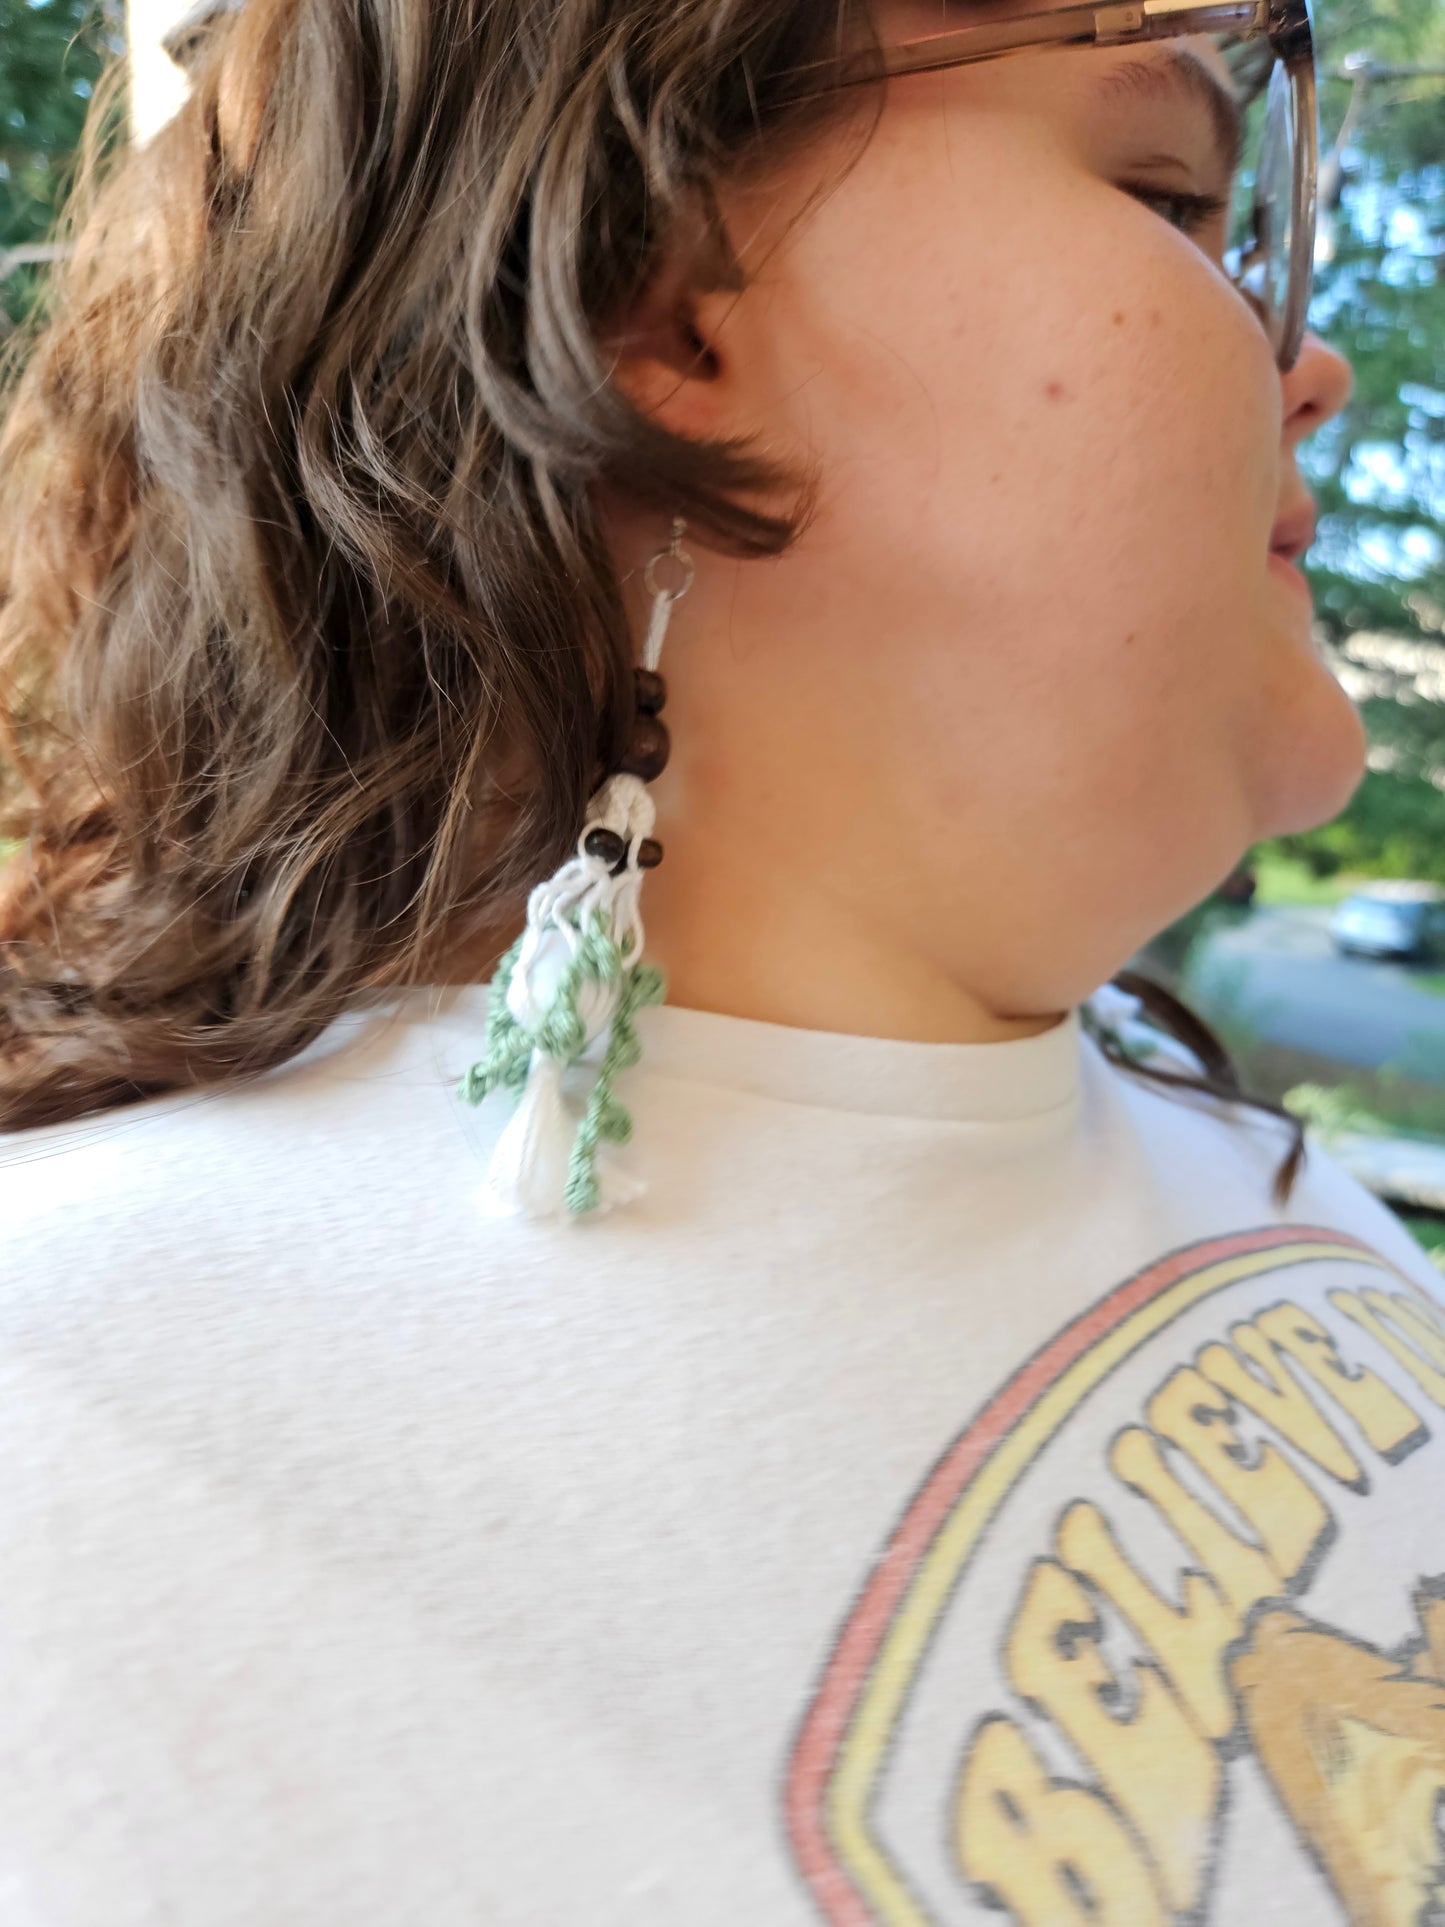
[{"x": 954, "y": 1491}]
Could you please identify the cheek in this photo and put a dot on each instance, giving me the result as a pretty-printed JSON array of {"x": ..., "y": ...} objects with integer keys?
[
  {"x": 1068, "y": 512},
  {"x": 1035, "y": 375},
  {"x": 1049, "y": 438}
]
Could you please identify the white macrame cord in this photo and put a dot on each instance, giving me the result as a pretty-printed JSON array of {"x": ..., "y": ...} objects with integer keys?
[{"x": 576, "y": 973}]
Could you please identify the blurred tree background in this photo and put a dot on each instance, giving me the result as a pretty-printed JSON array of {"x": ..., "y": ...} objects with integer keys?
[
  {"x": 50, "y": 57},
  {"x": 1378, "y": 471}
]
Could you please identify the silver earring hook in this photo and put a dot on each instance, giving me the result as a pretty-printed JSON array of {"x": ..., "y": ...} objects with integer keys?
[
  {"x": 663, "y": 597},
  {"x": 676, "y": 554}
]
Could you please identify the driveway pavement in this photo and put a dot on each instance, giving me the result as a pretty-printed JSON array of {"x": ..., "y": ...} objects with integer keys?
[{"x": 1280, "y": 971}]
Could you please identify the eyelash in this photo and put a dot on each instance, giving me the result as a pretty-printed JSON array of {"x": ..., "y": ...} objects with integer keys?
[{"x": 1198, "y": 210}]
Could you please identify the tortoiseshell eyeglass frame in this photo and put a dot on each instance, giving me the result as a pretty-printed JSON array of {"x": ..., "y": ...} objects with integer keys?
[{"x": 1292, "y": 110}]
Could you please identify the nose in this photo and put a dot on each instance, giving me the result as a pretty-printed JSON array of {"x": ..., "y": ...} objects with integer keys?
[{"x": 1315, "y": 389}]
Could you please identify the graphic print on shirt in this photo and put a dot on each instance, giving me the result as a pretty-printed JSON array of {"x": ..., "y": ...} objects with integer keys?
[{"x": 1162, "y": 1635}]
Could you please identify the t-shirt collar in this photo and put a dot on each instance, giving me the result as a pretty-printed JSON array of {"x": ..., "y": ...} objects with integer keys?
[{"x": 984, "y": 1083}]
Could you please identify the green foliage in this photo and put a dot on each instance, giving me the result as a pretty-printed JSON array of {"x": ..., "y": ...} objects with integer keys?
[
  {"x": 1428, "y": 1232},
  {"x": 51, "y": 52},
  {"x": 1392, "y": 1107},
  {"x": 1393, "y": 827},
  {"x": 1378, "y": 471},
  {"x": 1330, "y": 1111},
  {"x": 1286, "y": 874}
]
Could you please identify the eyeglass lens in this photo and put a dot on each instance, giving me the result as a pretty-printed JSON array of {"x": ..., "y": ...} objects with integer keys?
[{"x": 1261, "y": 238}]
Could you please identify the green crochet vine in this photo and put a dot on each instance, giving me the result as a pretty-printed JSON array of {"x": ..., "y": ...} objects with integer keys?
[{"x": 562, "y": 1035}]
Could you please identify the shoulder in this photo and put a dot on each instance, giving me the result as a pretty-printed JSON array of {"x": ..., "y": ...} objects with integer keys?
[
  {"x": 201, "y": 1175},
  {"x": 1329, "y": 1193},
  {"x": 1220, "y": 1137},
  {"x": 72, "y": 1193}
]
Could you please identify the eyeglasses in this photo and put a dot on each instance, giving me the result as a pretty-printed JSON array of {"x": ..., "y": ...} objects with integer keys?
[{"x": 1272, "y": 243}]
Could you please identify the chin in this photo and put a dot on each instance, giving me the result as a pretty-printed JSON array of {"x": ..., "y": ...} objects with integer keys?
[{"x": 1317, "y": 764}]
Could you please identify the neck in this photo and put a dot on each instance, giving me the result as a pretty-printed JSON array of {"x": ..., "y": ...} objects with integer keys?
[{"x": 744, "y": 942}]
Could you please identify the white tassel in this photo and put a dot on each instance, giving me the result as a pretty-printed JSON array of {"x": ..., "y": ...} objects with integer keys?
[
  {"x": 1112, "y": 1006},
  {"x": 528, "y": 1172}
]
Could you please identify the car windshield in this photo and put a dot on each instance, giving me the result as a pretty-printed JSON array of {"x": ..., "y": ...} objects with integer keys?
[{"x": 1373, "y": 910}]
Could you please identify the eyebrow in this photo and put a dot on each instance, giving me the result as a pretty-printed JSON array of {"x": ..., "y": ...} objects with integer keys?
[{"x": 1177, "y": 72}]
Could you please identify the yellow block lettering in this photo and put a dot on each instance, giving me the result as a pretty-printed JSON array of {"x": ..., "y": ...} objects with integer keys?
[
  {"x": 1187, "y": 1640},
  {"x": 1416, "y": 1316},
  {"x": 1274, "y": 1394},
  {"x": 1380, "y": 1317},
  {"x": 1150, "y": 1761},
  {"x": 1391, "y": 1427},
  {"x": 1290, "y": 1517},
  {"x": 1240, "y": 1570},
  {"x": 1054, "y": 1856},
  {"x": 1431, "y": 1311}
]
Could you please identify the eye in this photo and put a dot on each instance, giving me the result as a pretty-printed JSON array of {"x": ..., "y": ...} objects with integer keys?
[{"x": 1190, "y": 213}]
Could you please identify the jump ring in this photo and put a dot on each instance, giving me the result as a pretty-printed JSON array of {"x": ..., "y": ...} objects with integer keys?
[{"x": 686, "y": 568}]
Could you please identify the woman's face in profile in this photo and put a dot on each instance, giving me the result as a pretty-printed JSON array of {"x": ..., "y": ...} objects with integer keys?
[{"x": 1053, "y": 446}]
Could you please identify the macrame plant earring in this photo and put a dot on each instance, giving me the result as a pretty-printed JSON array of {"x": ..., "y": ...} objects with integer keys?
[{"x": 577, "y": 971}]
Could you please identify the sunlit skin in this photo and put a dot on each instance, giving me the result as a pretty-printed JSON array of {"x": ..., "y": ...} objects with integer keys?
[{"x": 1029, "y": 685}]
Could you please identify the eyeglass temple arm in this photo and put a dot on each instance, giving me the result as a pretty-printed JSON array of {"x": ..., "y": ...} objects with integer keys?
[{"x": 1100, "y": 26}]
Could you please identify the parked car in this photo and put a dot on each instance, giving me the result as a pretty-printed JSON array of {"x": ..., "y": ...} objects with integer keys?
[{"x": 1401, "y": 920}]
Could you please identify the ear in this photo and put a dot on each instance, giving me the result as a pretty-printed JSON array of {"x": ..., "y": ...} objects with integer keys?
[{"x": 667, "y": 352}]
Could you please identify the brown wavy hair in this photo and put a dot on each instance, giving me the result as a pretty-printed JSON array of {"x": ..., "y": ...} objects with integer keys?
[{"x": 311, "y": 650}]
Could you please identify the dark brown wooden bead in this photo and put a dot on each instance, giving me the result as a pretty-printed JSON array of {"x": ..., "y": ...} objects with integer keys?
[
  {"x": 649, "y": 853},
  {"x": 648, "y": 751},
  {"x": 651, "y": 691},
  {"x": 607, "y": 845}
]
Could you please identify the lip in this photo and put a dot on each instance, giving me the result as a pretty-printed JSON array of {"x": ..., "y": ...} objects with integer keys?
[
  {"x": 1294, "y": 532},
  {"x": 1287, "y": 572}
]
